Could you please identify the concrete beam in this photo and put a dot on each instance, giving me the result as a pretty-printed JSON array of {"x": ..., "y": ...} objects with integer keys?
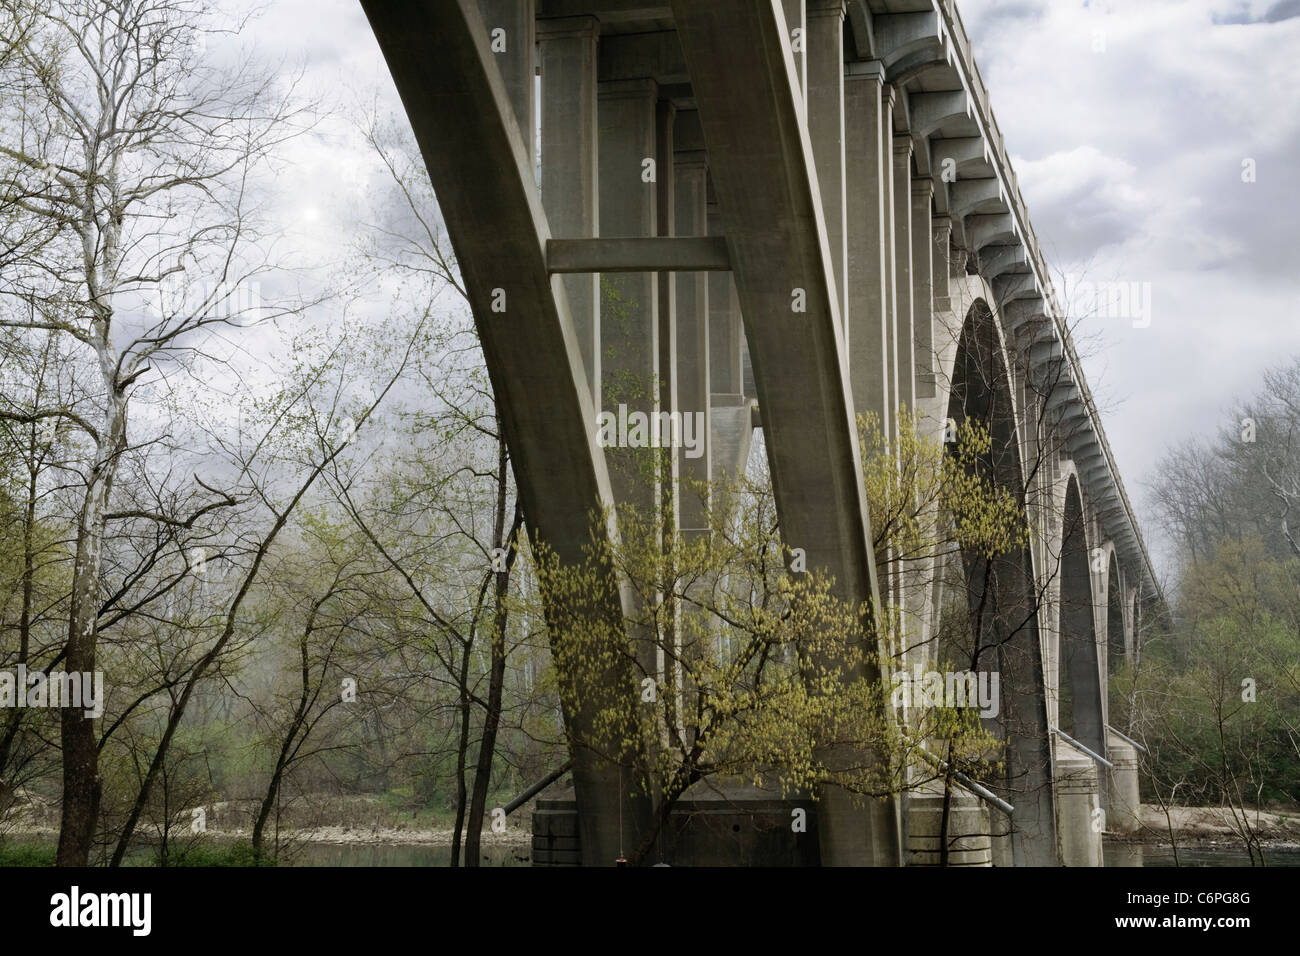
[
  {"x": 631, "y": 56},
  {"x": 608, "y": 11},
  {"x": 900, "y": 35},
  {"x": 969, "y": 196},
  {"x": 931, "y": 112},
  {"x": 517, "y": 21},
  {"x": 995, "y": 261},
  {"x": 652, "y": 254},
  {"x": 796, "y": 29},
  {"x": 970, "y": 158},
  {"x": 825, "y": 85},
  {"x": 984, "y": 231}
]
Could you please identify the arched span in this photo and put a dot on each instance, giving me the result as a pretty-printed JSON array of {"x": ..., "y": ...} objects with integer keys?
[
  {"x": 1080, "y": 710},
  {"x": 1002, "y": 627},
  {"x": 1117, "y": 649}
]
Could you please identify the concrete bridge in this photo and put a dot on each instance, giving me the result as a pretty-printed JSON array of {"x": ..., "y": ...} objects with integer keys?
[{"x": 804, "y": 210}]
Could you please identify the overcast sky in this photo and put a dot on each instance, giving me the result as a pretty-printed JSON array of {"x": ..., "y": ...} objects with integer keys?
[
  {"x": 1131, "y": 162},
  {"x": 1128, "y": 123}
]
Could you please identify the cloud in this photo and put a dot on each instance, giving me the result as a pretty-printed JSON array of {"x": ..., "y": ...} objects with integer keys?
[{"x": 1131, "y": 160}]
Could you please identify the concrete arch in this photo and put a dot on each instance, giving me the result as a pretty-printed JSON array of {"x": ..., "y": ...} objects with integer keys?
[
  {"x": 1081, "y": 710},
  {"x": 1001, "y": 599},
  {"x": 1116, "y": 639}
]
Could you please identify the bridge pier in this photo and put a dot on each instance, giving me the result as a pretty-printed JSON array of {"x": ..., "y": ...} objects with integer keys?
[
  {"x": 1078, "y": 807},
  {"x": 1125, "y": 803},
  {"x": 968, "y": 832}
]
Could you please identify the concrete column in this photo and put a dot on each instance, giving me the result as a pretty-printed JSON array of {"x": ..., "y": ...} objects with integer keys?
[
  {"x": 940, "y": 270},
  {"x": 825, "y": 85},
  {"x": 1123, "y": 812},
  {"x": 730, "y": 431},
  {"x": 796, "y": 29},
  {"x": 887, "y": 98},
  {"x": 665, "y": 213},
  {"x": 903, "y": 268},
  {"x": 725, "y": 330},
  {"x": 567, "y": 51},
  {"x": 866, "y": 333},
  {"x": 629, "y": 306},
  {"x": 517, "y": 20},
  {"x": 923, "y": 287},
  {"x": 693, "y": 359},
  {"x": 1076, "y": 793}
]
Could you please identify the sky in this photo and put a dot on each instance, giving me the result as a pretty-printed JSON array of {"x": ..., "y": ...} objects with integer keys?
[
  {"x": 1132, "y": 125},
  {"x": 1128, "y": 124}
]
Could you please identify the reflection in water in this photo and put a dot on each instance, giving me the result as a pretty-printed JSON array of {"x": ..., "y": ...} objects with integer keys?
[
  {"x": 1116, "y": 854},
  {"x": 1136, "y": 854}
]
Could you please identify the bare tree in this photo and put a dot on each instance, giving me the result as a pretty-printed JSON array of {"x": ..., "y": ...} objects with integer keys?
[{"x": 130, "y": 162}]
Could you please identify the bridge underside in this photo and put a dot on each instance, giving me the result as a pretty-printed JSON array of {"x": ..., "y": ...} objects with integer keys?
[{"x": 777, "y": 215}]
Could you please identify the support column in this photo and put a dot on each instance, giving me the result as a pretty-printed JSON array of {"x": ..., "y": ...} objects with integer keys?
[
  {"x": 693, "y": 359},
  {"x": 866, "y": 333},
  {"x": 1076, "y": 788},
  {"x": 923, "y": 287},
  {"x": 725, "y": 329},
  {"x": 825, "y": 85},
  {"x": 730, "y": 431},
  {"x": 570, "y": 184},
  {"x": 940, "y": 271},
  {"x": 887, "y": 98},
  {"x": 665, "y": 213},
  {"x": 515, "y": 48},
  {"x": 903, "y": 268},
  {"x": 1124, "y": 808},
  {"x": 629, "y": 303}
]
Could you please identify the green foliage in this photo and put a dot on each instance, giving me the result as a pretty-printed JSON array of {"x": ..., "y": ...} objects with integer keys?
[
  {"x": 236, "y": 854},
  {"x": 27, "y": 854},
  {"x": 1219, "y": 697}
]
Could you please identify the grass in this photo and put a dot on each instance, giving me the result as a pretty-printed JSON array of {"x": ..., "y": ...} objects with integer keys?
[{"x": 27, "y": 854}]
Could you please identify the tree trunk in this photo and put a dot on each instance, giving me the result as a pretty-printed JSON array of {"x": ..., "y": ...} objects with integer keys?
[
  {"x": 81, "y": 781},
  {"x": 496, "y": 679},
  {"x": 286, "y": 747},
  {"x": 462, "y": 791}
]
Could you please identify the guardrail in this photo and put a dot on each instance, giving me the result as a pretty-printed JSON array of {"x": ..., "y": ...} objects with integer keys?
[
  {"x": 1080, "y": 747},
  {"x": 1126, "y": 738}
]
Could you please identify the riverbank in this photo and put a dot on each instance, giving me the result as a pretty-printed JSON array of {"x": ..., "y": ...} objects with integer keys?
[
  {"x": 1212, "y": 826},
  {"x": 1191, "y": 826}
]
